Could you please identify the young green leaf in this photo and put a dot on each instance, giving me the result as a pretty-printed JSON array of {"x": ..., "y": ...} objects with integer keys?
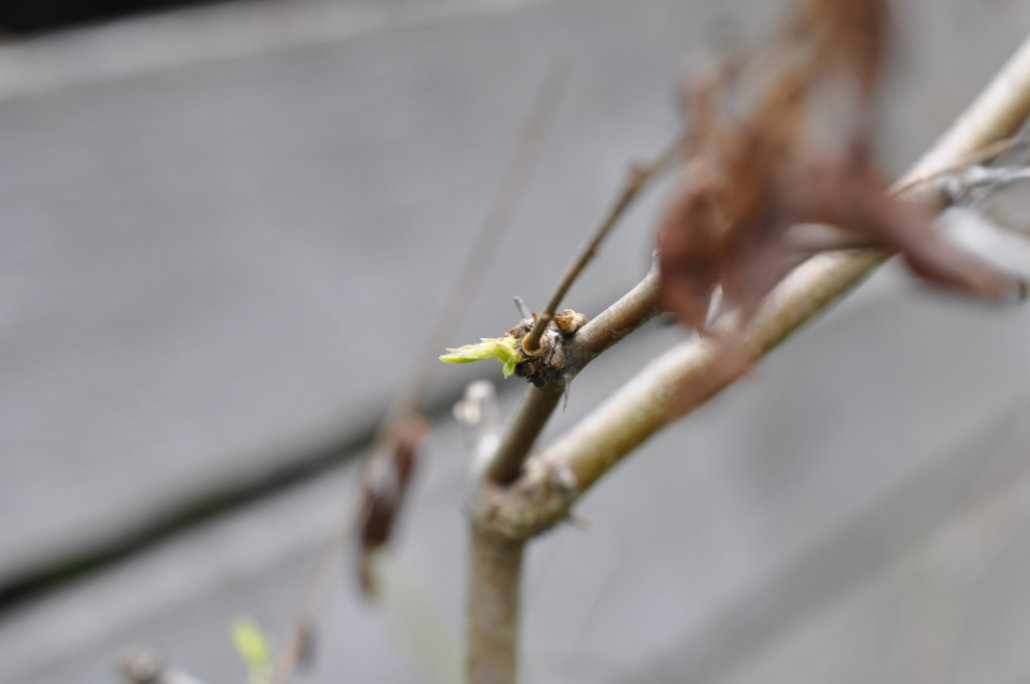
[
  {"x": 252, "y": 646},
  {"x": 504, "y": 349}
]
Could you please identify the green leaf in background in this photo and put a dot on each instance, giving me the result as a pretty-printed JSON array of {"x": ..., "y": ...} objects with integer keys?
[
  {"x": 252, "y": 646},
  {"x": 504, "y": 349}
]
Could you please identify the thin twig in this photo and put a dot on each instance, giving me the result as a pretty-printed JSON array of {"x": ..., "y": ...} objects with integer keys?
[
  {"x": 290, "y": 656},
  {"x": 488, "y": 239},
  {"x": 981, "y": 156},
  {"x": 480, "y": 256},
  {"x": 539, "y": 402},
  {"x": 976, "y": 179},
  {"x": 639, "y": 177}
]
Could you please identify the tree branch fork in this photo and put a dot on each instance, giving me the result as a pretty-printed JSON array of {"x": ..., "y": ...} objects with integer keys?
[
  {"x": 525, "y": 495},
  {"x": 543, "y": 488}
]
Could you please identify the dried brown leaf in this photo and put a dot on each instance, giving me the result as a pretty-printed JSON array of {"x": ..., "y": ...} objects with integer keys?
[
  {"x": 852, "y": 34},
  {"x": 753, "y": 177},
  {"x": 385, "y": 484},
  {"x": 848, "y": 195}
]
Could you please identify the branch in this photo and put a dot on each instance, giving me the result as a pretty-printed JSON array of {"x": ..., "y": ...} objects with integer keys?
[
  {"x": 970, "y": 180},
  {"x": 635, "y": 308},
  {"x": 496, "y": 561},
  {"x": 495, "y": 569},
  {"x": 524, "y": 427},
  {"x": 558, "y": 476},
  {"x": 488, "y": 239},
  {"x": 979, "y": 157},
  {"x": 629, "y": 313},
  {"x": 632, "y": 310},
  {"x": 639, "y": 177}
]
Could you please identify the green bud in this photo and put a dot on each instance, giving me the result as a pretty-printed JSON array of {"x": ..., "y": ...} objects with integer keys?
[
  {"x": 504, "y": 349},
  {"x": 252, "y": 646}
]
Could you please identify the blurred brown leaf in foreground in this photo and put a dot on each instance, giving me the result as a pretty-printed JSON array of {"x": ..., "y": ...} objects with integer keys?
[{"x": 783, "y": 140}]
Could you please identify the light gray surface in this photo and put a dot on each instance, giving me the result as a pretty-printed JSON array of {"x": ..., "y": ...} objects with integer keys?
[
  {"x": 687, "y": 539},
  {"x": 187, "y": 251},
  {"x": 208, "y": 270},
  {"x": 190, "y": 237}
]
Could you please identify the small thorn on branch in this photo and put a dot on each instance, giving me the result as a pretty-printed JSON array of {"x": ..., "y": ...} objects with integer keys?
[{"x": 522, "y": 308}]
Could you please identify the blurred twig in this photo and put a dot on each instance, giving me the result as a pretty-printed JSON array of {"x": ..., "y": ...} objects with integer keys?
[
  {"x": 484, "y": 247},
  {"x": 539, "y": 402},
  {"x": 480, "y": 255},
  {"x": 984, "y": 155}
]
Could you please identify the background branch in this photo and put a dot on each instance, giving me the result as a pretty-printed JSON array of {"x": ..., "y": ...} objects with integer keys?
[
  {"x": 474, "y": 268},
  {"x": 488, "y": 239}
]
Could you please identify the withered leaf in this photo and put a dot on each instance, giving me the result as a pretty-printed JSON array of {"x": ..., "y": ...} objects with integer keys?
[
  {"x": 849, "y": 196},
  {"x": 754, "y": 176},
  {"x": 385, "y": 483},
  {"x": 851, "y": 35}
]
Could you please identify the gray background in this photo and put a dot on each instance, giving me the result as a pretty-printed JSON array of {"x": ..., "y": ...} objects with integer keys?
[{"x": 224, "y": 233}]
